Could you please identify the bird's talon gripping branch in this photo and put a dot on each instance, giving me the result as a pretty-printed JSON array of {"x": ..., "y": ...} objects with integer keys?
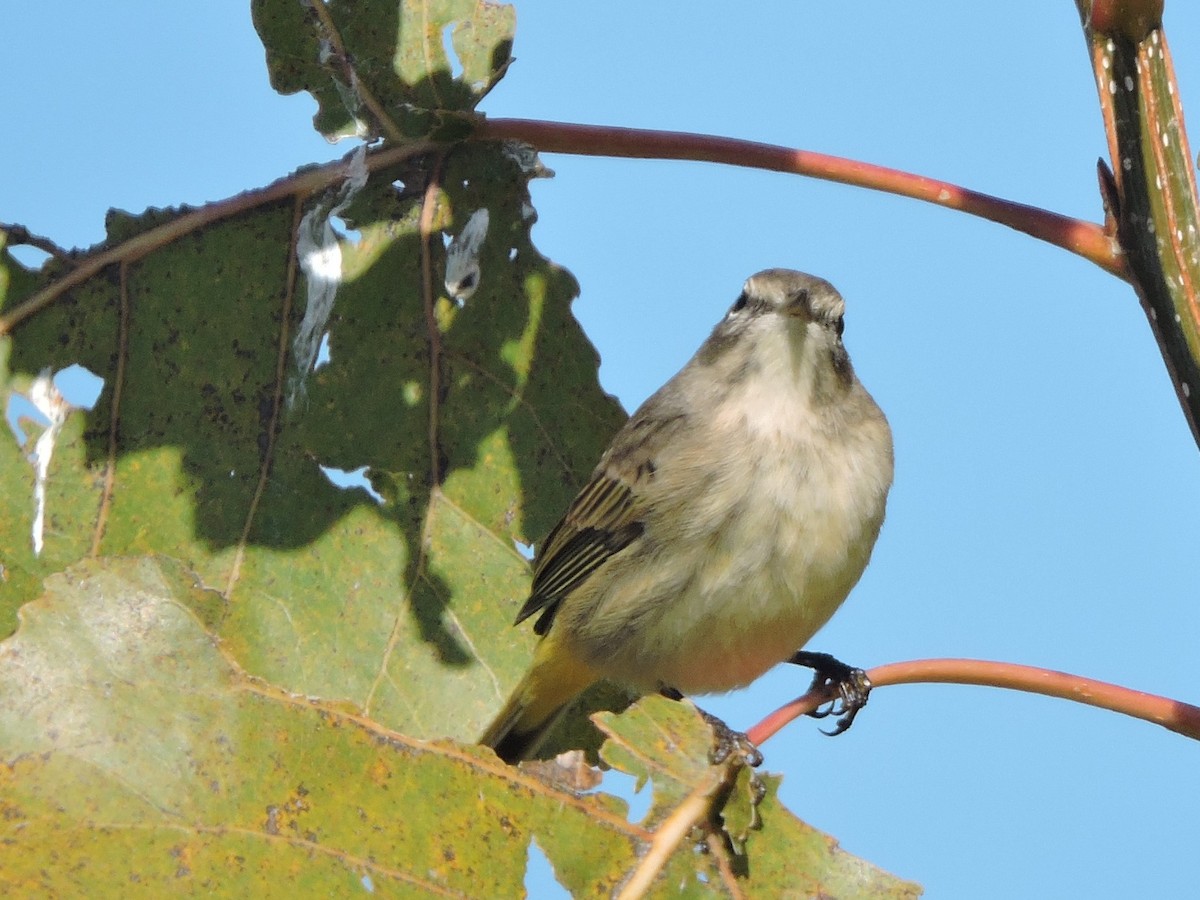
[
  {"x": 851, "y": 684},
  {"x": 728, "y": 744}
]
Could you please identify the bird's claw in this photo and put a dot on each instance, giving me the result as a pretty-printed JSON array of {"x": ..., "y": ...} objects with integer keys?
[
  {"x": 851, "y": 685},
  {"x": 729, "y": 744}
]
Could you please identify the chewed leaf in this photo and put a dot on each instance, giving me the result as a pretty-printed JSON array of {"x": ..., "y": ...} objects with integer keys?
[
  {"x": 135, "y": 752},
  {"x": 668, "y": 743},
  {"x": 394, "y": 596},
  {"x": 359, "y": 58}
]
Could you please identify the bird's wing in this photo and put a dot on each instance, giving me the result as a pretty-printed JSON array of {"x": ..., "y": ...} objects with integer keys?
[
  {"x": 599, "y": 523},
  {"x": 604, "y": 518}
]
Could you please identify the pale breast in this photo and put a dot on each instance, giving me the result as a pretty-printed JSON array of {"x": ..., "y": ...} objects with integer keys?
[{"x": 776, "y": 536}]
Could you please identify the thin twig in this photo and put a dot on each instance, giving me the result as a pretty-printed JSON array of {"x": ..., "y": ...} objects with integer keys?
[
  {"x": 669, "y": 835},
  {"x": 1175, "y": 715},
  {"x": 1083, "y": 238},
  {"x": 357, "y": 85}
]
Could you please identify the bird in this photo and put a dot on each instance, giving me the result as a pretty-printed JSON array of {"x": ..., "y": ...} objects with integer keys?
[{"x": 727, "y": 521}]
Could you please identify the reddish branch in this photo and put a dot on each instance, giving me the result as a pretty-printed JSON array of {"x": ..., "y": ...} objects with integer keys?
[
  {"x": 1086, "y": 239},
  {"x": 1083, "y": 238},
  {"x": 1174, "y": 715}
]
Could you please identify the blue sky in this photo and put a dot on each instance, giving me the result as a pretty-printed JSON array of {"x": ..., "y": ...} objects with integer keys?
[{"x": 1047, "y": 499}]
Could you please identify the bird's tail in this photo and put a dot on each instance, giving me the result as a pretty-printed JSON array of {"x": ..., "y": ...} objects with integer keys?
[{"x": 554, "y": 679}]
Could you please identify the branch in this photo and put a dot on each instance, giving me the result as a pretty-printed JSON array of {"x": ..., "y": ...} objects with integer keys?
[
  {"x": 1153, "y": 197},
  {"x": 1085, "y": 239},
  {"x": 300, "y": 184},
  {"x": 1182, "y": 718}
]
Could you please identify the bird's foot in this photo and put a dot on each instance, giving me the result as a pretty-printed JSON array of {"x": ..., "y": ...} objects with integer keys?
[
  {"x": 729, "y": 744},
  {"x": 851, "y": 686}
]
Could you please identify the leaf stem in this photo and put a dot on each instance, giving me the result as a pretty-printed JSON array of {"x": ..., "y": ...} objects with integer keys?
[{"x": 273, "y": 424}]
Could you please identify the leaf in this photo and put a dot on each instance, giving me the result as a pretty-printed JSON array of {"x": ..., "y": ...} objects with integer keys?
[
  {"x": 394, "y": 606},
  {"x": 137, "y": 753},
  {"x": 769, "y": 852},
  {"x": 234, "y": 685},
  {"x": 353, "y": 54}
]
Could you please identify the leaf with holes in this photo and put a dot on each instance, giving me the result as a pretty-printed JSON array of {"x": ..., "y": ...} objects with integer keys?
[
  {"x": 383, "y": 67},
  {"x": 242, "y": 656},
  {"x": 250, "y": 351},
  {"x": 136, "y": 751},
  {"x": 760, "y": 846}
]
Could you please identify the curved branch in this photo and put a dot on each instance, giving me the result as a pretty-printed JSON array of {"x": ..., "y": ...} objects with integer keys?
[
  {"x": 1182, "y": 718},
  {"x": 300, "y": 184},
  {"x": 1085, "y": 239}
]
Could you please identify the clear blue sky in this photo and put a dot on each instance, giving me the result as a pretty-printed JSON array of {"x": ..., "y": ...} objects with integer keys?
[{"x": 1047, "y": 500}]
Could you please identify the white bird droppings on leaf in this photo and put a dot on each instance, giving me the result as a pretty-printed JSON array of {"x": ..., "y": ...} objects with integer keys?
[
  {"x": 54, "y": 406},
  {"x": 526, "y": 156},
  {"x": 463, "y": 273},
  {"x": 320, "y": 254}
]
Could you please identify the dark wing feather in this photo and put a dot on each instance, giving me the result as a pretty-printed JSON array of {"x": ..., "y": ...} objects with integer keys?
[
  {"x": 598, "y": 524},
  {"x": 604, "y": 519}
]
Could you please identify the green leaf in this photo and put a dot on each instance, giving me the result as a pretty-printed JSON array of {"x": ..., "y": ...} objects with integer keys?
[
  {"x": 395, "y": 606},
  {"x": 767, "y": 850},
  {"x": 138, "y": 754},
  {"x": 387, "y": 53}
]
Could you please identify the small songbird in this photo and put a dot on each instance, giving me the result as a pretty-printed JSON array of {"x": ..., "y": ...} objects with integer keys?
[{"x": 727, "y": 521}]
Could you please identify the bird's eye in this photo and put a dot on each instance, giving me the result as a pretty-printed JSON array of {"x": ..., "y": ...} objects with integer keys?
[
  {"x": 740, "y": 303},
  {"x": 839, "y": 326}
]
